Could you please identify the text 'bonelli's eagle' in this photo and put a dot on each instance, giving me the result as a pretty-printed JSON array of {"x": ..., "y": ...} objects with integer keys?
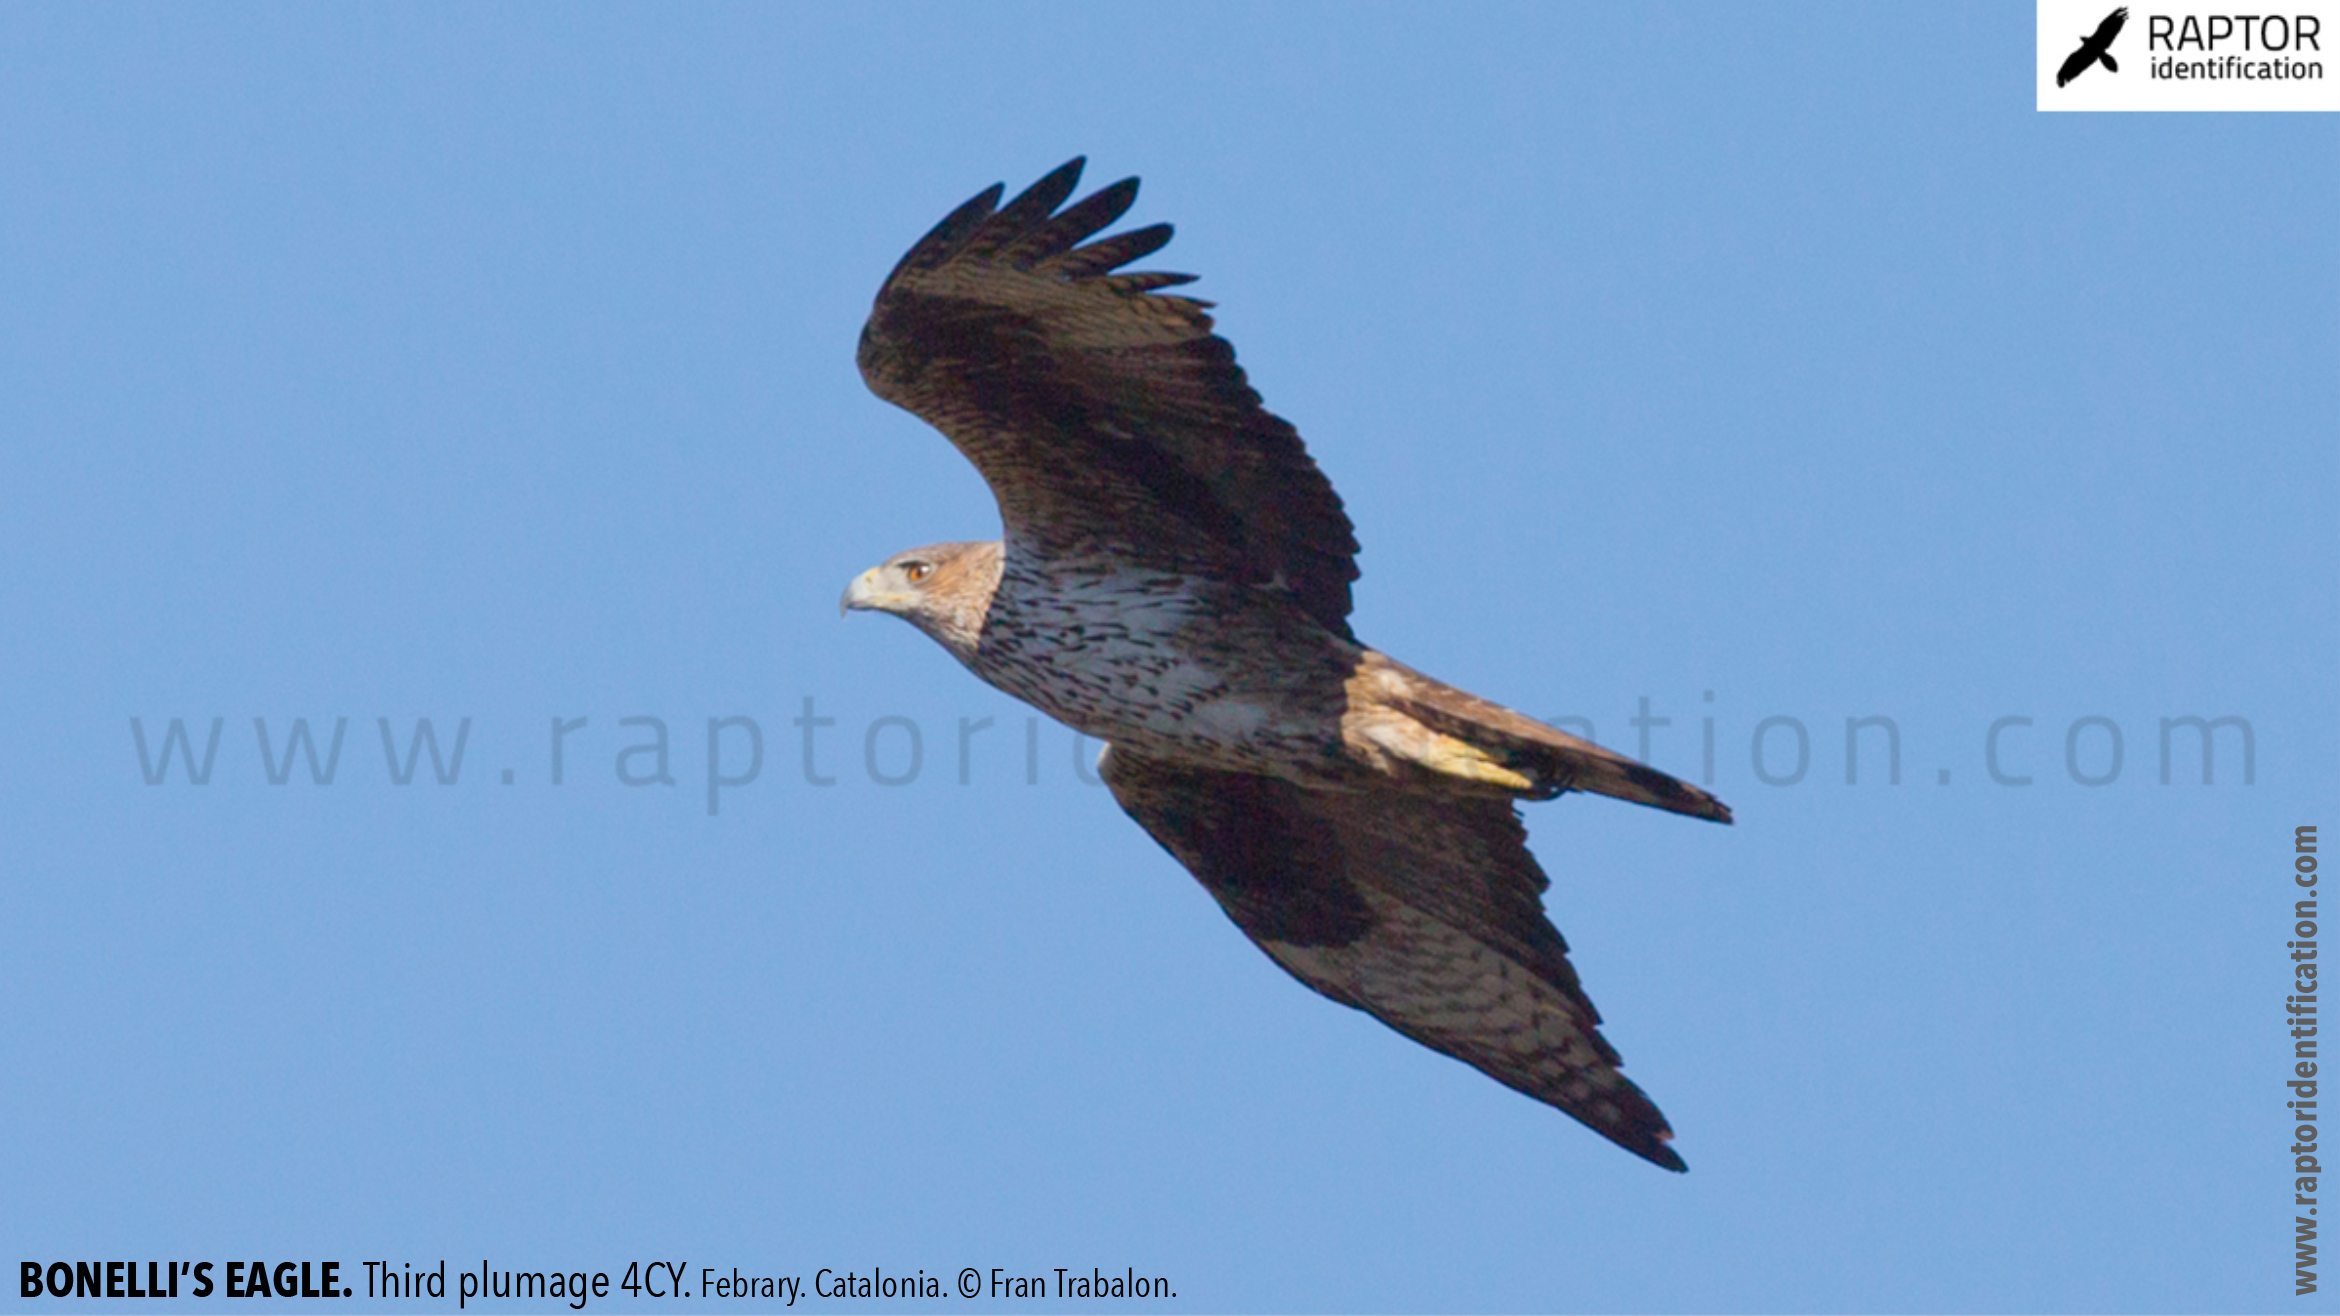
[{"x": 1174, "y": 580}]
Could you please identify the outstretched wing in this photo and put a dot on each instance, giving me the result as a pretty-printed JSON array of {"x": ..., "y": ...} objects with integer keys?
[
  {"x": 1422, "y": 911},
  {"x": 1106, "y": 416},
  {"x": 2109, "y": 28}
]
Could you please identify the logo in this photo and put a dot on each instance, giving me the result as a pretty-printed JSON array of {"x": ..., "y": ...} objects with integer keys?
[
  {"x": 2187, "y": 55},
  {"x": 2095, "y": 47}
]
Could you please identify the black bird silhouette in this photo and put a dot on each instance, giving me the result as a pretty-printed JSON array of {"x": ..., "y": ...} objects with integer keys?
[{"x": 2094, "y": 48}]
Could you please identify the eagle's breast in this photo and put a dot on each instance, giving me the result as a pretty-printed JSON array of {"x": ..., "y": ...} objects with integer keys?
[{"x": 1190, "y": 668}]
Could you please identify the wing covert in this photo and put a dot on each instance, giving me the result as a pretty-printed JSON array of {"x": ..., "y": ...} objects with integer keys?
[{"x": 1107, "y": 417}]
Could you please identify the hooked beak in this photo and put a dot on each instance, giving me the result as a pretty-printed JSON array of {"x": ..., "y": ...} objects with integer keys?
[{"x": 865, "y": 595}]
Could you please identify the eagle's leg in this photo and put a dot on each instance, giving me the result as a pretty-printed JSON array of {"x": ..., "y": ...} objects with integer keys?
[{"x": 1397, "y": 745}]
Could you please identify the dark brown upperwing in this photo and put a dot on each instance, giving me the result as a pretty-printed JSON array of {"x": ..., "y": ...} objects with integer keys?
[
  {"x": 1420, "y": 910},
  {"x": 1106, "y": 417}
]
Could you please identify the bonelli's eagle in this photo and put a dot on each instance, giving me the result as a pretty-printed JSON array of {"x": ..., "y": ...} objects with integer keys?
[{"x": 1174, "y": 580}]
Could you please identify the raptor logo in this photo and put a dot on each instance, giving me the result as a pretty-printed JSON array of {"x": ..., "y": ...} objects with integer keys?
[{"x": 2094, "y": 47}]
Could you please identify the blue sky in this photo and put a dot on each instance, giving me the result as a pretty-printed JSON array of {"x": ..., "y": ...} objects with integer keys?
[{"x": 496, "y": 363}]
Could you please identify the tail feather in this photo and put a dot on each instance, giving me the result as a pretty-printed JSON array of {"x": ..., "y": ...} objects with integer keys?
[{"x": 1549, "y": 757}]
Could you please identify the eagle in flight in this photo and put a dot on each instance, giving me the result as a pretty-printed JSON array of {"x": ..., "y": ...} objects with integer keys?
[{"x": 1174, "y": 580}]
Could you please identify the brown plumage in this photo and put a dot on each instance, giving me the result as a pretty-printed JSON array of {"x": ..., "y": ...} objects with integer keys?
[{"x": 1174, "y": 580}]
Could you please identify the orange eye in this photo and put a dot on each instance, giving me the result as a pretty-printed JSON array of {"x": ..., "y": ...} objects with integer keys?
[{"x": 917, "y": 571}]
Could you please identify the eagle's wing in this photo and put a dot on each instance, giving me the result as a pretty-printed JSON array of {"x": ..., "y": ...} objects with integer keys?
[
  {"x": 2109, "y": 28},
  {"x": 1107, "y": 418},
  {"x": 1420, "y": 910}
]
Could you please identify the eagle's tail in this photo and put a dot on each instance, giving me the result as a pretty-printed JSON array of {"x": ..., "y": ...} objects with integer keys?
[
  {"x": 1492, "y": 746},
  {"x": 2107, "y": 60}
]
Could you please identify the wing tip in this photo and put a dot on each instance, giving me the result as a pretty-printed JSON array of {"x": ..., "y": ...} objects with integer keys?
[
  {"x": 1043, "y": 197},
  {"x": 1660, "y": 1153},
  {"x": 1633, "y": 1123},
  {"x": 939, "y": 242},
  {"x": 1640, "y": 1129},
  {"x": 1030, "y": 227}
]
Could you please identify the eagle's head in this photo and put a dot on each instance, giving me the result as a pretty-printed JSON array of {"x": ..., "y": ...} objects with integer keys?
[{"x": 942, "y": 589}]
